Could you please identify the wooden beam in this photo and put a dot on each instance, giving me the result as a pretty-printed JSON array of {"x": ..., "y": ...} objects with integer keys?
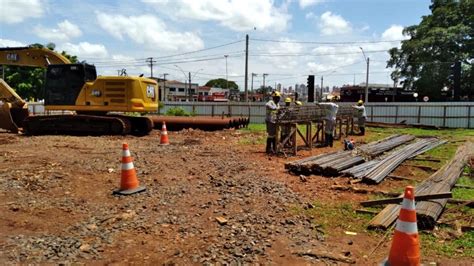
[{"x": 397, "y": 200}]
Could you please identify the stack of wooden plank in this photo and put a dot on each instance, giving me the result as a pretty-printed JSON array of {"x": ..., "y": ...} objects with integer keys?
[{"x": 442, "y": 180}]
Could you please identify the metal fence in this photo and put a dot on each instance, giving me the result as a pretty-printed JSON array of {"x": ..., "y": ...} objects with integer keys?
[{"x": 445, "y": 114}]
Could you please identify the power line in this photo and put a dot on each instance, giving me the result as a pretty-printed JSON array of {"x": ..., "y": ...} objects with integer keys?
[
  {"x": 201, "y": 50},
  {"x": 314, "y": 42},
  {"x": 310, "y": 54}
]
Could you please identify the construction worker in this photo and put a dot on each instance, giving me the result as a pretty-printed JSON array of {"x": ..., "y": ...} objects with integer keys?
[
  {"x": 286, "y": 129},
  {"x": 361, "y": 116},
  {"x": 330, "y": 122},
  {"x": 272, "y": 107},
  {"x": 287, "y": 101}
]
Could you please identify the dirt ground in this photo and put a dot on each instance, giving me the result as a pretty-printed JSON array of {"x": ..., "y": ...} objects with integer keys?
[{"x": 57, "y": 204}]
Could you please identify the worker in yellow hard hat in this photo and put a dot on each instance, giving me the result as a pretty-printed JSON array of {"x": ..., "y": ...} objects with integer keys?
[
  {"x": 272, "y": 107},
  {"x": 287, "y": 101},
  {"x": 361, "y": 116}
]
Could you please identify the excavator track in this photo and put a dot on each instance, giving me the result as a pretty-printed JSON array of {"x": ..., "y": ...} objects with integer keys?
[
  {"x": 79, "y": 125},
  {"x": 140, "y": 125}
]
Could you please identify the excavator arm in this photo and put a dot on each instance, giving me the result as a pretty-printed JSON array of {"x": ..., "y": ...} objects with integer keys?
[
  {"x": 30, "y": 56},
  {"x": 13, "y": 109}
]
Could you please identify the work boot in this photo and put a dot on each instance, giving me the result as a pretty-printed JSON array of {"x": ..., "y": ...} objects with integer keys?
[
  {"x": 362, "y": 131},
  {"x": 326, "y": 140},
  {"x": 268, "y": 148},
  {"x": 274, "y": 144}
]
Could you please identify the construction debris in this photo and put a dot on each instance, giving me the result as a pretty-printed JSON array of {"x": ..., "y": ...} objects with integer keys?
[{"x": 442, "y": 180}]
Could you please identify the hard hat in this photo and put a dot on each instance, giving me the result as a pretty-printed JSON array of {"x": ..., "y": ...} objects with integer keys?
[
  {"x": 288, "y": 100},
  {"x": 298, "y": 103},
  {"x": 276, "y": 94},
  {"x": 360, "y": 102}
]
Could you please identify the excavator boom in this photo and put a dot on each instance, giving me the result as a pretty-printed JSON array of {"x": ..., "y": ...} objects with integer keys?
[{"x": 30, "y": 56}]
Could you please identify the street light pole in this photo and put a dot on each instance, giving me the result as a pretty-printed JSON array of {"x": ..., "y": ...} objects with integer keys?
[
  {"x": 367, "y": 60},
  {"x": 185, "y": 78},
  {"x": 253, "y": 75}
]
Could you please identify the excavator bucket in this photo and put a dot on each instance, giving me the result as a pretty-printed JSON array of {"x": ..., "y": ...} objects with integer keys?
[
  {"x": 11, "y": 119},
  {"x": 13, "y": 110}
]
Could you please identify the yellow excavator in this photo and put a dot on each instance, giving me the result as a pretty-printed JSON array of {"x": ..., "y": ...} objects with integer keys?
[{"x": 99, "y": 102}]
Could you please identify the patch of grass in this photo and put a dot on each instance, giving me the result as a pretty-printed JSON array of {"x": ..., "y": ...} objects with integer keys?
[
  {"x": 252, "y": 139},
  {"x": 252, "y": 127},
  {"x": 464, "y": 193},
  {"x": 336, "y": 215},
  {"x": 462, "y": 246}
]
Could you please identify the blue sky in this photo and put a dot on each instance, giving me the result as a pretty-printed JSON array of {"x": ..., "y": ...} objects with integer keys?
[{"x": 289, "y": 39}]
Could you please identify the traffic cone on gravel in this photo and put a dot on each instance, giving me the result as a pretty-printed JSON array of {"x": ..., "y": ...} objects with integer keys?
[
  {"x": 129, "y": 181},
  {"x": 164, "y": 135},
  {"x": 405, "y": 248}
]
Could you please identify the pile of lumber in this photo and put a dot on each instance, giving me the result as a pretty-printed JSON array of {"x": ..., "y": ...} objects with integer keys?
[
  {"x": 382, "y": 169},
  {"x": 332, "y": 164},
  {"x": 441, "y": 181}
]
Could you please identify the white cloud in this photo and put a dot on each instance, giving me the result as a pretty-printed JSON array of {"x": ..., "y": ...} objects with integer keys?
[
  {"x": 64, "y": 32},
  {"x": 238, "y": 15},
  {"x": 278, "y": 52},
  {"x": 15, "y": 11},
  {"x": 149, "y": 31},
  {"x": 395, "y": 32},
  {"x": 331, "y": 24},
  {"x": 310, "y": 15},
  {"x": 306, "y": 3},
  {"x": 84, "y": 50},
  {"x": 10, "y": 43}
]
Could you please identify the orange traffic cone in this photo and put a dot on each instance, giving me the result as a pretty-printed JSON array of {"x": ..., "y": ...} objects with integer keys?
[
  {"x": 164, "y": 135},
  {"x": 405, "y": 248},
  {"x": 129, "y": 181}
]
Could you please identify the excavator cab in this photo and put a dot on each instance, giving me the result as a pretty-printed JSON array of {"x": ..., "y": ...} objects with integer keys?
[{"x": 13, "y": 110}]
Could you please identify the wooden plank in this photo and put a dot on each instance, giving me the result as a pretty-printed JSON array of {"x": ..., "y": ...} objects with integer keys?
[
  {"x": 464, "y": 186},
  {"x": 397, "y": 200}
]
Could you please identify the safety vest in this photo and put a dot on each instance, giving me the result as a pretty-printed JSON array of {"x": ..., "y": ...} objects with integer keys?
[{"x": 272, "y": 110}]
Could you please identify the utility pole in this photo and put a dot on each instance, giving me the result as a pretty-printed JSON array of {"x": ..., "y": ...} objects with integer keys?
[
  {"x": 226, "y": 78},
  {"x": 265, "y": 88},
  {"x": 163, "y": 95},
  {"x": 321, "y": 89},
  {"x": 189, "y": 91},
  {"x": 150, "y": 62},
  {"x": 246, "y": 66}
]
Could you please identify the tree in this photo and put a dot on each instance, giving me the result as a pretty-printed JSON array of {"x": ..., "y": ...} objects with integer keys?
[
  {"x": 28, "y": 81},
  {"x": 425, "y": 61},
  {"x": 222, "y": 83}
]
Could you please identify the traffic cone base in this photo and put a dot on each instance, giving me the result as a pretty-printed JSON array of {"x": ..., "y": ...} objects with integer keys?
[
  {"x": 129, "y": 191},
  {"x": 128, "y": 181},
  {"x": 164, "y": 135}
]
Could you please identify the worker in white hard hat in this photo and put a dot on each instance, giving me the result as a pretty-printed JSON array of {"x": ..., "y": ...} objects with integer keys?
[
  {"x": 272, "y": 107},
  {"x": 361, "y": 116}
]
